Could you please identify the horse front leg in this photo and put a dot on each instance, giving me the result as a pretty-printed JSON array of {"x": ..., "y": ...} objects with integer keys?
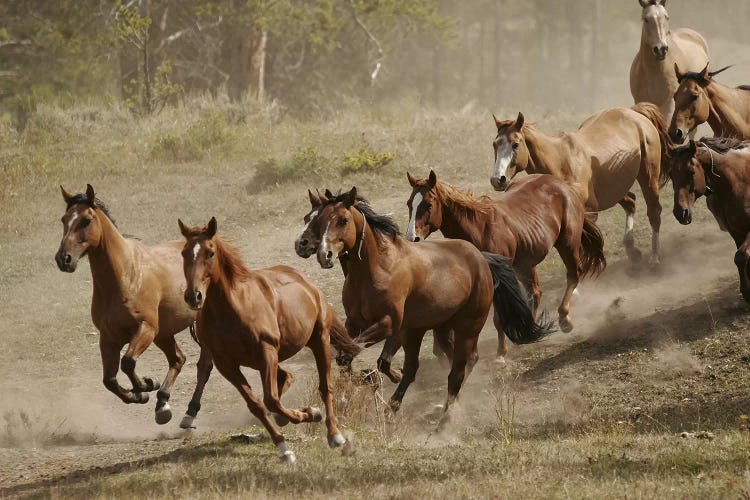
[
  {"x": 205, "y": 365},
  {"x": 176, "y": 360},
  {"x": 390, "y": 348},
  {"x": 412, "y": 343},
  {"x": 741, "y": 259},
  {"x": 110, "y": 352},
  {"x": 628, "y": 240}
]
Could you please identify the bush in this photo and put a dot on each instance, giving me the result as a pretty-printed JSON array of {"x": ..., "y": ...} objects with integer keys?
[
  {"x": 365, "y": 160},
  {"x": 199, "y": 140},
  {"x": 306, "y": 164}
]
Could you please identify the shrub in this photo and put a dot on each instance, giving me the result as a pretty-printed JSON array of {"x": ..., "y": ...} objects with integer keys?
[{"x": 365, "y": 160}]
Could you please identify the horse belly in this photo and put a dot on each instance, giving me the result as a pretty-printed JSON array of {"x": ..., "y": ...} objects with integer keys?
[{"x": 615, "y": 177}]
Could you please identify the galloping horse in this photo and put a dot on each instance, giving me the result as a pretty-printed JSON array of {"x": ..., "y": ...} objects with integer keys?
[
  {"x": 718, "y": 168},
  {"x": 306, "y": 245},
  {"x": 537, "y": 213},
  {"x": 137, "y": 296},
  {"x": 601, "y": 160},
  {"x": 257, "y": 319},
  {"x": 652, "y": 76},
  {"x": 396, "y": 287},
  {"x": 700, "y": 99}
]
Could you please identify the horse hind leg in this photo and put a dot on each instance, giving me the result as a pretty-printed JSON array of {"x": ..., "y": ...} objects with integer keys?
[
  {"x": 648, "y": 179},
  {"x": 205, "y": 365},
  {"x": 321, "y": 349},
  {"x": 176, "y": 360},
  {"x": 570, "y": 255},
  {"x": 741, "y": 259},
  {"x": 628, "y": 240}
]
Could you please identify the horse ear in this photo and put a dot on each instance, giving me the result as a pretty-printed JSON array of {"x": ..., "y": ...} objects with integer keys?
[
  {"x": 412, "y": 180},
  {"x": 90, "y": 195},
  {"x": 644, "y": 3},
  {"x": 352, "y": 198},
  {"x": 519, "y": 121},
  {"x": 183, "y": 228},
  {"x": 678, "y": 74},
  {"x": 432, "y": 180},
  {"x": 314, "y": 198},
  {"x": 211, "y": 228},
  {"x": 497, "y": 122},
  {"x": 704, "y": 74},
  {"x": 329, "y": 194},
  {"x": 66, "y": 195}
]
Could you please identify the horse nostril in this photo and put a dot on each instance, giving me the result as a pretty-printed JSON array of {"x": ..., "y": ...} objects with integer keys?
[
  {"x": 502, "y": 180},
  {"x": 303, "y": 242},
  {"x": 68, "y": 259},
  {"x": 198, "y": 297},
  {"x": 416, "y": 238},
  {"x": 186, "y": 296}
]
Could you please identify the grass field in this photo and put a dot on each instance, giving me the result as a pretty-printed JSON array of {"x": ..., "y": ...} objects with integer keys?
[{"x": 598, "y": 412}]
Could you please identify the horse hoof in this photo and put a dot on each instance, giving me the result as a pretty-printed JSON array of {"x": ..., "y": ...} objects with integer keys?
[
  {"x": 565, "y": 325},
  {"x": 500, "y": 360},
  {"x": 336, "y": 441},
  {"x": 394, "y": 405},
  {"x": 280, "y": 419},
  {"x": 151, "y": 384},
  {"x": 187, "y": 422},
  {"x": 394, "y": 376},
  {"x": 163, "y": 414},
  {"x": 288, "y": 457},
  {"x": 141, "y": 398},
  {"x": 316, "y": 414}
]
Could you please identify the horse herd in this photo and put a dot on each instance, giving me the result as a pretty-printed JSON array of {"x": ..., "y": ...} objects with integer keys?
[{"x": 397, "y": 288}]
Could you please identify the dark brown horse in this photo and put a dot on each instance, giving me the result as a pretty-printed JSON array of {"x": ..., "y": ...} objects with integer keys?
[
  {"x": 396, "y": 287},
  {"x": 137, "y": 296},
  {"x": 718, "y": 168},
  {"x": 258, "y": 318},
  {"x": 700, "y": 98},
  {"x": 536, "y": 213}
]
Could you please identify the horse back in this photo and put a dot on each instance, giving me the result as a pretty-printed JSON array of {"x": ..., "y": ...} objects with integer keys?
[{"x": 693, "y": 54}]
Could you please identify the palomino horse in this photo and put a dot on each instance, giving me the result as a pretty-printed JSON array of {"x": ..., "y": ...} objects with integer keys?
[
  {"x": 652, "y": 76},
  {"x": 601, "y": 160},
  {"x": 257, "y": 319},
  {"x": 137, "y": 296},
  {"x": 306, "y": 245},
  {"x": 396, "y": 287},
  {"x": 718, "y": 168},
  {"x": 537, "y": 213},
  {"x": 700, "y": 99}
]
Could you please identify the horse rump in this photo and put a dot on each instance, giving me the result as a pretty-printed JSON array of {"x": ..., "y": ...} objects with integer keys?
[
  {"x": 512, "y": 304},
  {"x": 592, "y": 261}
]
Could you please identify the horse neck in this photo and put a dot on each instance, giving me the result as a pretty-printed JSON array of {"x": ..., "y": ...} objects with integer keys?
[
  {"x": 113, "y": 262},
  {"x": 367, "y": 261},
  {"x": 220, "y": 290},
  {"x": 544, "y": 154},
  {"x": 457, "y": 225},
  {"x": 717, "y": 178},
  {"x": 724, "y": 115}
]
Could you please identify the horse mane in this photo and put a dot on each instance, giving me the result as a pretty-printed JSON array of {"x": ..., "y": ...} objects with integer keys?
[
  {"x": 698, "y": 76},
  {"x": 230, "y": 260},
  {"x": 82, "y": 198},
  {"x": 723, "y": 144},
  {"x": 381, "y": 224},
  {"x": 744, "y": 87},
  {"x": 462, "y": 203}
]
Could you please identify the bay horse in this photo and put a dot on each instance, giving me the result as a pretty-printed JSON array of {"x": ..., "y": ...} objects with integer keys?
[
  {"x": 137, "y": 297},
  {"x": 718, "y": 168},
  {"x": 396, "y": 287},
  {"x": 652, "y": 77},
  {"x": 537, "y": 212},
  {"x": 258, "y": 318},
  {"x": 609, "y": 152},
  {"x": 700, "y": 98},
  {"x": 307, "y": 245}
]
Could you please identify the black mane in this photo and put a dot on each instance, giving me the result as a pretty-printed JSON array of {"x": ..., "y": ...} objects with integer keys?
[
  {"x": 82, "y": 198},
  {"x": 698, "y": 76},
  {"x": 723, "y": 144},
  {"x": 382, "y": 225}
]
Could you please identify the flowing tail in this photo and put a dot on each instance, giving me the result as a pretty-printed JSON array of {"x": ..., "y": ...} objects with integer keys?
[
  {"x": 340, "y": 339},
  {"x": 652, "y": 112},
  {"x": 512, "y": 305},
  {"x": 592, "y": 261}
]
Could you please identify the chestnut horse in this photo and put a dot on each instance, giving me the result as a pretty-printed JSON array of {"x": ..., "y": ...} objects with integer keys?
[
  {"x": 652, "y": 76},
  {"x": 258, "y": 318},
  {"x": 137, "y": 296},
  {"x": 700, "y": 99},
  {"x": 537, "y": 213},
  {"x": 718, "y": 168},
  {"x": 610, "y": 151},
  {"x": 396, "y": 287}
]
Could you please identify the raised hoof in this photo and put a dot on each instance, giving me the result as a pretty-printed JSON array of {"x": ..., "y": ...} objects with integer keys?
[
  {"x": 288, "y": 457},
  {"x": 187, "y": 422},
  {"x": 316, "y": 414},
  {"x": 565, "y": 325},
  {"x": 336, "y": 441},
  {"x": 163, "y": 414},
  {"x": 394, "y": 405},
  {"x": 140, "y": 398},
  {"x": 151, "y": 384},
  {"x": 280, "y": 419},
  {"x": 394, "y": 375}
]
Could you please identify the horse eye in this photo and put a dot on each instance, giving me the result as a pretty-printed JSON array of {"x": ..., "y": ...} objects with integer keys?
[
  {"x": 343, "y": 222},
  {"x": 427, "y": 205},
  {"x": 84, "y": 223},
  {"x": 209, "y": 254},
  {"x": 515, "y": 146}
]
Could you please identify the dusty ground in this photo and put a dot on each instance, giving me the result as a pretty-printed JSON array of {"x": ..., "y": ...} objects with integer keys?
[{"x": 654, "y": 352}]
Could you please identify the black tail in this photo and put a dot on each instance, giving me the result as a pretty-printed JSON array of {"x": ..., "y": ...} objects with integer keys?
[
  {"x": 512, "y": 305},
  {"x": 343, "y": 343},
  {"x": 592, "y": 261}
]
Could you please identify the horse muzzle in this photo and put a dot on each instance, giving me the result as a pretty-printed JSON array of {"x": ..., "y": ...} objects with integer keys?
[
  {"x": 499, "y": 183},
  {"x": 303, "y": 248},
  {"x": 678, "y": 136},
  {"x": 683, "y": 215},
  {"x": 325, "y": 259},
  {"x": 66, "y": 262},
  {"x": 194, "y": 299},
  {"x": 660, "y": 51}
]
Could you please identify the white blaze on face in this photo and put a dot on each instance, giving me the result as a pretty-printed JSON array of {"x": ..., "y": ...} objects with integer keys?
[
  {"x": 196, "y": 249},
  {"x": 324, "y": 240},
  {"x": 411, "y": 231},
  {"x": 313, "y": 214},
  {"x": 73, "y": 217},
  {"x": 503, "y": 157}
]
